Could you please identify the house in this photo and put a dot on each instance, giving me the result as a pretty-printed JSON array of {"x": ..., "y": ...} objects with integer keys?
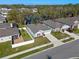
[
  {"x": 8, "y": 34},
  {"x": 72, "y": 22},
  {"x": 6, "y": 25},
  {"x": 34, "y": 10},
  {"x": 37, "y": 30},
  {"x": 2, "y": 19},
  {"x": 56, "y": 26},
  {"x": 4, "y": 11}
]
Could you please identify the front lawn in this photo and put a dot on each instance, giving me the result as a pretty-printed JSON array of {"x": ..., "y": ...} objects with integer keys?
[
  {"x": 25, "y": 35},
  {"x": 70, "y": 39},
  {"x": 59, "y": 35},
  {"x": 6, "y": 49},
  {"x": 32, "y": 52},
  {"x": 20, "y": 25},
  {"x": 75, "y": 30}
]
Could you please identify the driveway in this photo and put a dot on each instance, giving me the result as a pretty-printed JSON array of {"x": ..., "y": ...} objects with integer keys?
[
  {"x": 72, "y": 35},
  {"x": 54, "y": 40}
]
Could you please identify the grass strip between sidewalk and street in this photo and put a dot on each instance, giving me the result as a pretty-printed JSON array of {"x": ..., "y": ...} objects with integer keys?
[{"x": 32, "y": 52}]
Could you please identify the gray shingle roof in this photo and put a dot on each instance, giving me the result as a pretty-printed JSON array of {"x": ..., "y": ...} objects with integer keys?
[
  {"x": 36, "y": 27},
  {"x": 5, "y": 25},
  {"x": 67, "y": 21},
  {"x": 8, "y": 32},
  {"x": 2, "y": 18},
  {"x": 53, "y": 24}
]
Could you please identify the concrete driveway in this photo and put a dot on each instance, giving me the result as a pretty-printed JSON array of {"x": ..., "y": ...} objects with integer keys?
[
  {"x": 72, "y": 35},
  {"x": 54, "y": 40}
]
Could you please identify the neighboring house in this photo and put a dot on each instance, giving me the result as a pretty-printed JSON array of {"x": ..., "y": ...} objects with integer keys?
[
  {"x": 70, "y": 21},
  {"x": 5, "y": 25},
  {"x": 4, "y": 11},
  {"x": 56, "y": 26},
  {"x": 37, "y": 30},
  {"x": 8, "y": 34},
  {"x": 34, "y": 10},
  {"x": 2, "y": 19}
]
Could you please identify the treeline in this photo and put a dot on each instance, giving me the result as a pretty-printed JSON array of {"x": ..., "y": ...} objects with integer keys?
[{"x": 44, "y": 12}]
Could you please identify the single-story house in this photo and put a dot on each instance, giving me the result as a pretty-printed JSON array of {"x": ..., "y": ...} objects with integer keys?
[
  {"x": 6, "y": 25},
  {"x": 70, "y": 21},
  {"x": 2, "y": 19},
  {"x": 8, "y": 34},
  {"x": 56, "y": 26},
  {"x": 37, "y": 30}
]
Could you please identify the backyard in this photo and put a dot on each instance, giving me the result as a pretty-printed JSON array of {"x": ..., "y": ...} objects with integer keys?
[
  {"x": 6, "y": 49},
  {"x": 59, "y": 35}
]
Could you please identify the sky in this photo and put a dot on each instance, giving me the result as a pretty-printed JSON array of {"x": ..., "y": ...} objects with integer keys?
[{"x": 38, "y": 2}]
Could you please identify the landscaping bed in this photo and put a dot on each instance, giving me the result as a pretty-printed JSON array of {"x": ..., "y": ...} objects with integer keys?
[
  {"x": 59, "y": 35},
  {"x": 70, "y": 39},
  {"x": 76, "y": 31},
  {"x": 6, "y": 49},
  {"x": 25, "y": 35}
]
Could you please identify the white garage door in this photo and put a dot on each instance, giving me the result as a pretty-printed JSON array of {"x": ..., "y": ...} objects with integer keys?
[{"x": 47, "y": 31}]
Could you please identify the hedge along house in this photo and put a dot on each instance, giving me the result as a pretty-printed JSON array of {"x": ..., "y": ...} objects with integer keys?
[
  {"x": 37, "y": 30},
  {"x": 70, "y": 22}
]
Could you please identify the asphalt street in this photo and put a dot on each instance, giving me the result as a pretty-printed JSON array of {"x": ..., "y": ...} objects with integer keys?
[{"x": 65, "y": 51}]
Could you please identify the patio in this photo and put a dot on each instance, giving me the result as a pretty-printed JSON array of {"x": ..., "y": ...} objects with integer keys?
[{"x": 18, "y": 40}]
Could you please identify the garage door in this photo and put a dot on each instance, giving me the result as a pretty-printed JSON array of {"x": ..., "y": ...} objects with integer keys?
[{"x": 47, "y": 31}]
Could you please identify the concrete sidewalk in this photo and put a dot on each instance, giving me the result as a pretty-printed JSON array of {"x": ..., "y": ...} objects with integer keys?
[{"x": 54, "y": 40}]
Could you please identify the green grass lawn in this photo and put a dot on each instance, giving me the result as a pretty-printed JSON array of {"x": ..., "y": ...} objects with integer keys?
[
  {"x": 25, "y": 35},
  {"x": 59, "y": 35},
  {"x": 76, "y": 31},
  {"x": 20, "y": 25},
  {"x": 6, "y": 49},
  {"x": 32, "y": 52},
  {"x": 70, "y": 39}
]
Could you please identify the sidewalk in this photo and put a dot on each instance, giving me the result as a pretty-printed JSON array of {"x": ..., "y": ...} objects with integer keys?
[{"x": 54, "y": 40}]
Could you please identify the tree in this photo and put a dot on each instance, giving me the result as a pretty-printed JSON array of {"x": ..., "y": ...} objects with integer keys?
[
  {"x": 12, "y": 15},
  {"x": 15, "y": 16}
]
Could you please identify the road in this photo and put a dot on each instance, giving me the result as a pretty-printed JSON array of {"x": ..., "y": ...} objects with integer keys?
[{"x": 65, "y": 51}]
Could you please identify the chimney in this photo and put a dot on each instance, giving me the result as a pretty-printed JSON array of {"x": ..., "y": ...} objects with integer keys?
[{"x": 11, "y": 24}]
